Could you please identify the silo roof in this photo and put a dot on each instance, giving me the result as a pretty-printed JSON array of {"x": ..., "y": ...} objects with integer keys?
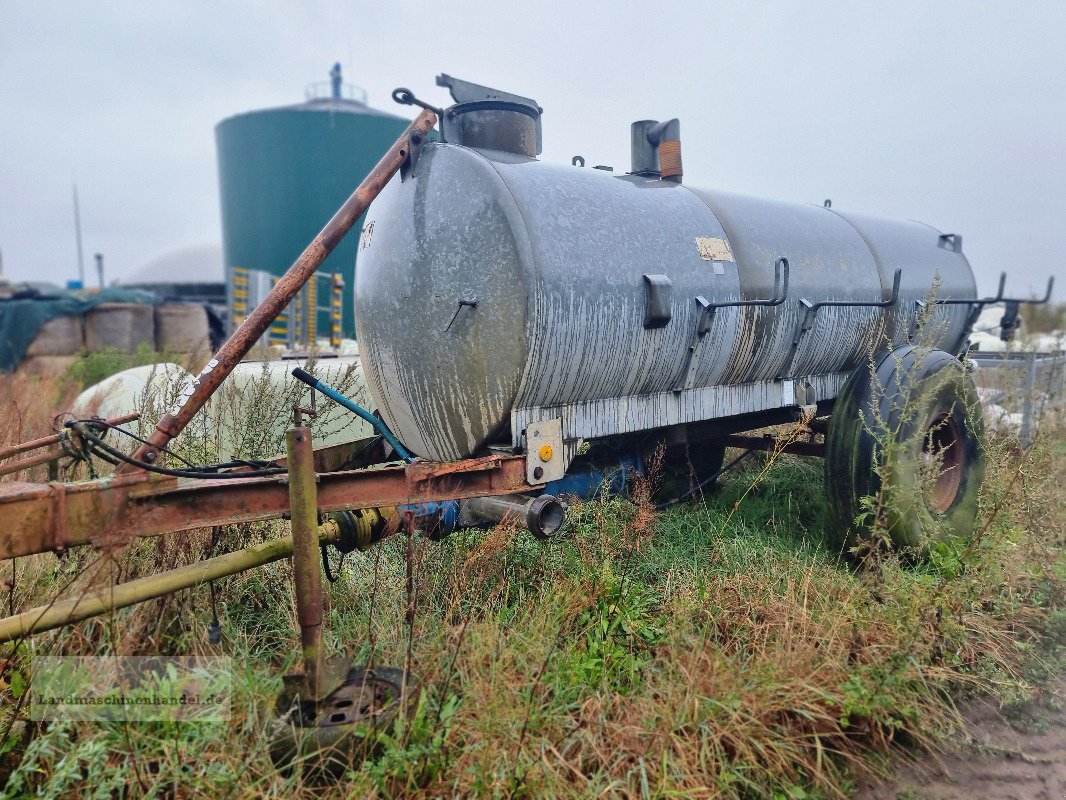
[{"x": 334, "y": 105}]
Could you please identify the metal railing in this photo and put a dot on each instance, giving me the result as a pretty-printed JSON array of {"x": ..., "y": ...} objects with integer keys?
[
  {"x": 1019, "y": 389},
  {"x": 323, "y": 90}
]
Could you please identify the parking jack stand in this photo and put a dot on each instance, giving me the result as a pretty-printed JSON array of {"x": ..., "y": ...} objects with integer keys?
[
  {"x": 307, "y": 574},
  {"x": 331, "y": 714}
]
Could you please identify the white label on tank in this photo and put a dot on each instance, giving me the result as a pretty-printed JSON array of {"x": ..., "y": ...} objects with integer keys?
[{"x": 712, "y": 248}]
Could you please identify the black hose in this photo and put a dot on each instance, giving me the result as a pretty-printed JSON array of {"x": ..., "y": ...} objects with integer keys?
[
  {"x": 203, "y": 473},
  {"x": 705, "y": 482},
  {"x": 99, "y": 423}
]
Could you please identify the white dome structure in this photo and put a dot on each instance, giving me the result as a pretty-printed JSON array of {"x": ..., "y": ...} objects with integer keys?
[{"x": 200, "y": 263}]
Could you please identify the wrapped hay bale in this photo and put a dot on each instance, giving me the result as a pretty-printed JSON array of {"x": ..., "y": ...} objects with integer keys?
[
  {"x": 182, "y": 328},
  {"x": 49, "y": 367},
  {"x": 60, "y": 336},
  {"x": 122, "y": 326}
]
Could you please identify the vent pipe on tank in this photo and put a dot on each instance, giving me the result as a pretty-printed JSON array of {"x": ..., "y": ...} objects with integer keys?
[{"x": 657, "y": 149}]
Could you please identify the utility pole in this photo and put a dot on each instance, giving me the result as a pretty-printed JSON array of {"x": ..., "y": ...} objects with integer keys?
[
  {"x": 77, "y": 235},
  {"x": 100, "y": 268}
]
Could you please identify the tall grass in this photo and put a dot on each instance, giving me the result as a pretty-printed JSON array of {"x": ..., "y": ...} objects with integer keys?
[{"x": 720, "y": 649}]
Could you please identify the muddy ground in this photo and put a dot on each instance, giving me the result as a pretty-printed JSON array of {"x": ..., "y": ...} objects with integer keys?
[{"x": 1018, "y": 754}]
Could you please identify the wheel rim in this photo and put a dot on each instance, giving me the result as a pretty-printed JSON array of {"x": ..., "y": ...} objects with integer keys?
[{"x": 942, "y": 456}]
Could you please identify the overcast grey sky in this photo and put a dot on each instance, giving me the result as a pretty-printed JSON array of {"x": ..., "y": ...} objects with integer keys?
[{"x": 949, "y": 113}]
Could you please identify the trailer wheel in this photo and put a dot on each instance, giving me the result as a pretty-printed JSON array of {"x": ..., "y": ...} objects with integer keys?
[
  {"x": 324, "y": 740},
  {"x": 904, "y": 444}
]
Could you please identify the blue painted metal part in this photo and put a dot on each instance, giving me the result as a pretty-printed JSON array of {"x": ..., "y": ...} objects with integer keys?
[
  {"x": 589, "y": 482},
  {"x": 358, "y": 410},
  {"x": 441, "y": 518}
]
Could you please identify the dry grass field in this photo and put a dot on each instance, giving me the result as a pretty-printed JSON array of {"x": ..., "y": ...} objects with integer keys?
[{"x": 718, "y": 649}]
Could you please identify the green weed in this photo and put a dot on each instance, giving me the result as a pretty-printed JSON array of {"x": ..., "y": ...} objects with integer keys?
[
  {"x": 93, "y": 367},
  {"x": 718, "y": 649}
]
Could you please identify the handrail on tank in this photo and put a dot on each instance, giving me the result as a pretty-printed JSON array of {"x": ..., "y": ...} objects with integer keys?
[
  {"x": 703, "y": 325},
  {"x": 977, "y": 305},
  {"x": 706, "y": 316},
  {"x": 999, "y": 298},
  {"x": 810, "y": 310},
  {"x": 323, "y": 90}
]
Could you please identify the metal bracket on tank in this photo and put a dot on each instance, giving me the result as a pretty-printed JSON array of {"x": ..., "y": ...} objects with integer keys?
[
  {"x": 658, "y": 296},
  {"x": 916, "y": 319},
  {"x": 416, "y": 140},
  {"x": 810, "y": 310},
  {"x": 705, "y": 316},
  {"x": 545, "y": 452},
  {"x": 950, "y": 241},
  {"x": 471, "y": 304}
]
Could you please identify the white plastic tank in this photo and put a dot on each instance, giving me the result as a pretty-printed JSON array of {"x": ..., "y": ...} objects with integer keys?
[{"x": 247, "y": 416}]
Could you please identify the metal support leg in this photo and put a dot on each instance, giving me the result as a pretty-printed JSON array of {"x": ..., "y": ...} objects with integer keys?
[
  {"x": 1025, "y": 436},
  {"x": 303, "y": 501}
]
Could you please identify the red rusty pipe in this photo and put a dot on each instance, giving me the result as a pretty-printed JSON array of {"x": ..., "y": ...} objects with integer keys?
[
  {"x": 242, "y": 340},
  {"x": 32, "y": 461},
  {"x": 15, "y": 449}
]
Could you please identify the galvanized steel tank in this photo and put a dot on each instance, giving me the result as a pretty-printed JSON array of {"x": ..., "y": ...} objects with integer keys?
[{"x": 496, "y": 290}]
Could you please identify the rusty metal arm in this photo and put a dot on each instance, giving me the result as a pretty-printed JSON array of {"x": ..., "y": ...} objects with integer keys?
[
  {"x": 56, "y": 438},
  {"x": 255, "y": 324},
  {"x": 32, "y": 461},
  {"x": 51, "y": 455},
  {"x": 40, "y": 518}
]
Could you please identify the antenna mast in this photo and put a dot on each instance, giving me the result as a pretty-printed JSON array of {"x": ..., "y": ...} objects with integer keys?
[{"x": 77, "y": 235}]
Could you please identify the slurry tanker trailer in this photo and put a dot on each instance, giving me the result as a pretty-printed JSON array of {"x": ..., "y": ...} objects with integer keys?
[{"x": 532, "y": 331}]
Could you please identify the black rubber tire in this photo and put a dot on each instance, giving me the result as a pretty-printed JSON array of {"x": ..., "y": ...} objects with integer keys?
[{"x": 915, "y": 420}]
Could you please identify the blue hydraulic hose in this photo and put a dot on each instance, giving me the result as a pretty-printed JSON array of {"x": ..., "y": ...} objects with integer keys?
[{"x": 333, "y": 394}]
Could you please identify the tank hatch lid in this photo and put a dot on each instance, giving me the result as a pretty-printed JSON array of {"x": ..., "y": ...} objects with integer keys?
[
  {"x": 467, "y": 92},
  {"x": 485, "y": 117}
]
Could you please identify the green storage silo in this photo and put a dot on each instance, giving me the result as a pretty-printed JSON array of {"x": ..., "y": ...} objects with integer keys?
[{"x": 283, "y": 172}]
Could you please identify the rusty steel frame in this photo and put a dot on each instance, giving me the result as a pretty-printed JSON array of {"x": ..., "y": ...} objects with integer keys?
[
  {"x": 248, "y": 333},
  {"x": 111, "y": 512},
  {"x": 772, "y": 444}
]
